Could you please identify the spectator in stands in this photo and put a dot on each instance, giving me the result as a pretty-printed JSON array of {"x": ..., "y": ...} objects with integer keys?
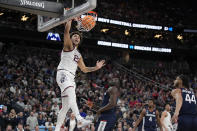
[
  {"x": 55, "y": 108},
  {"x": 28, "y": 106},
  {"x": 5, "y": 111},
  {"x": 35, "y": 112},
  {"x": 32, "y": 121},
  {"x": 32, "y": 100},
  {"x": 12, "y": 118},
  {"x": 89, "y": 116},
  {"x": 50, "y": 129},
  {"x": 41, "y": 111},
  {"x": 48, "y": 123},
  {"x": 21, "y": 119},
  {"x": 2, "y": 120},
  {"x": 27, "y": 128},
  {"x": 19, "y": 127},
  {"x": 119, "y": 128},
  {"x": 122, "y": 107},
  {"x": 36, "y": 128},
  {"x": 53, "y": 116},
  {"x": 55, "y": 99},
  {"x": 41, "y": 121},
  {"x": 9, "y": 128},
  {"x": 26, "y": 114},
  {"x": 71, "y": 123},
  {"x": 82, "y": 113},
  {"x": 20, "y": 103}
]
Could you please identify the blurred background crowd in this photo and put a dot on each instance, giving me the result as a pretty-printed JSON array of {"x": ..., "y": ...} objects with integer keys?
[
  {"x": 30, "y": 98},
  {"x": 29, "y": 95}
]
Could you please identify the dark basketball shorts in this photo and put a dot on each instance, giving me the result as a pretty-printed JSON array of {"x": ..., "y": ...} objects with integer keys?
[
  {"x": 106, "y": 123},
  {"x": 187, "y": 123}
]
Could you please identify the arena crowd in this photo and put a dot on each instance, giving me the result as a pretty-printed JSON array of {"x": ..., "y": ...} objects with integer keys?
[{"x": 30, "y": 98}]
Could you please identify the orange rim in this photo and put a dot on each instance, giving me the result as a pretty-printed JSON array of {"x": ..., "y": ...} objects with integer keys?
[{"x": 92, "y": 12}]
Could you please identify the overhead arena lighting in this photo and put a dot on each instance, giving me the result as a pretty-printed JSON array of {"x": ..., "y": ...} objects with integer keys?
[
  {"x": 126, "y": 32},
  {"x": 24, "y": 18},
  {"x": 157, "y": 36},
  {"x": 104, "y": 30},
  {"x": 1, "y": 14},
  {"x": 179, "y": 37}
]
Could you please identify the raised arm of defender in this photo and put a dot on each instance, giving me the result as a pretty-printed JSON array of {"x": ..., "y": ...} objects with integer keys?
[
  {"x": 176, "y": 94},
  {"x": 82, "y": 66},
  {"x": 67, "y": 41}
]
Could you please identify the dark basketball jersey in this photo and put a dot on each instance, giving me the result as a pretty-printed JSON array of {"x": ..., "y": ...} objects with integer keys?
[
  {"x": 149, "y": 120},
  {"x": 189, "y": 106},
  {"x": 187, "y": 120},
  {"x": 140, "y": 126},
  {"x": 107, "y": 120},
  {"x": 105, "y": 102}
]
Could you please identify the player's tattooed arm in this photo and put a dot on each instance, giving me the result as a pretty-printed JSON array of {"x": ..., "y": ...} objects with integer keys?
[
  {"x": 158, "y": 120},
  {"x": 142, "y": 114},
  {"x": 176, "y": 94},
  {"x": 67, "y": 41},
  {"x": 85, "y": 69},
  {"x": 112, "y": 100}
]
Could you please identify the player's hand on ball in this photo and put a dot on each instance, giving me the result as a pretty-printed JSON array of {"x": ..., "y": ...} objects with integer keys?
[{"x": 100, "y": 64}]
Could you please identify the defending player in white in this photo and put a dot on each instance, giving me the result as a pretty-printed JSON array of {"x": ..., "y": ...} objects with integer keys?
[
  {"x": 70, "y": 60},
  {"x": 166, "y": 119}
]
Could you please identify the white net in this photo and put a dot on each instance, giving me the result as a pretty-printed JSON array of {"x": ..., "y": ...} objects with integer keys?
[{"x": 87, "y": 21}]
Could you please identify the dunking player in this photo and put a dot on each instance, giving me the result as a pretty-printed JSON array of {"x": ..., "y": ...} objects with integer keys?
[
  {"x": 149, "y": 116},
  {"x": 186, "y": 108},
  {"x": 166, "y": 119},
  {"x": 70, "y": 60},
  {"x": 107, "y": 112}
]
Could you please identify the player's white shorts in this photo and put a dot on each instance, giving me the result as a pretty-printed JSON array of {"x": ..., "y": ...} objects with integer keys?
[{"x": 65, "y": 80}]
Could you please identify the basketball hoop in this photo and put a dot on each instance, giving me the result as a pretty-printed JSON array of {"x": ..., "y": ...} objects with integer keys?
[{"x": 87, "y": 21}]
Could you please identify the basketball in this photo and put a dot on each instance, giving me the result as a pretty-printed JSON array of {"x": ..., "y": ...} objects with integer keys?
[{"x": 88, "y": 22}]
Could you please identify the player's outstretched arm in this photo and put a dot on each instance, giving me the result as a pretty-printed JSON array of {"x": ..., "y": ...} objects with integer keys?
[
  {"x": 176, "y": 94},
  {"x": 85, "y": 69},
  {"x": 67, "y": 41},
  {"x": 112, "y": 101},
  {"x": 163, "y": 115},
  {"x": 142, "y": 114}
]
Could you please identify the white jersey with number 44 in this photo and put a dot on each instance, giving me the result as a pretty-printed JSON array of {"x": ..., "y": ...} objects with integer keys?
[{"x": 69, "y": 60}]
